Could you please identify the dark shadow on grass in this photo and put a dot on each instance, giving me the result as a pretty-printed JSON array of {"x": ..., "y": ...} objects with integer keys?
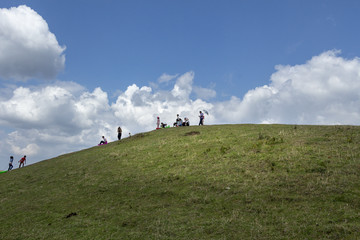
[
  {"x": 71, "y": 215},
  {"x": 192, "y": 133}
]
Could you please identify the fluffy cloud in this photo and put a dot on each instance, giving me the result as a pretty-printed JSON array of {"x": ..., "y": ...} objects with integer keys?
[
  {"x": 324, "y": 90},
  {"x": 204, "y": 93},
  {"x": 183, "y": 86},
  {"x": 63, "y": 117},
  {"x": 53, "y": 119},
  {"x": 27, "y": 48}
]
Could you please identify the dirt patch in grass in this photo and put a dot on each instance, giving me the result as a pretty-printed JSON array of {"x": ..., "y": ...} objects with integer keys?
[
  {"x": 192, "y": 133},
  {"x": 71, "y": 215}
]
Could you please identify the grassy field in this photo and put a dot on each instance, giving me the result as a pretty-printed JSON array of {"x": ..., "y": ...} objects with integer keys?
[{"x": 208, "y": 182}]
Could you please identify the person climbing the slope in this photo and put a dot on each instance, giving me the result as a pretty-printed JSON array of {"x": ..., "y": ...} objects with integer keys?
[
  {"x": 22, "y": 161},
  {"x": 11, "y": 163}
]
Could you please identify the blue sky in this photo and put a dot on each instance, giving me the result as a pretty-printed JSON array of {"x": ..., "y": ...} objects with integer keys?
[
  {"x": 259, "y": 61},
  {"x": 232, "y": 46}
]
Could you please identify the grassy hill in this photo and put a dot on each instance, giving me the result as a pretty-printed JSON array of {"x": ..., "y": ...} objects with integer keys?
[{"x": 208, "y": 182}]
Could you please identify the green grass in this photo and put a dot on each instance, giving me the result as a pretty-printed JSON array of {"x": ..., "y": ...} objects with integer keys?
[{"x": 208, "y": 182}]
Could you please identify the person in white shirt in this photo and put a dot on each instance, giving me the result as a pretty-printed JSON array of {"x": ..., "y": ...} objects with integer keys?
[{"x": 103, "y": 141}]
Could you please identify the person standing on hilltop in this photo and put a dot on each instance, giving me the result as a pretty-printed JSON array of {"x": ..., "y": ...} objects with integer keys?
[
  {"x": 158, "y": 123},
  {"x": 22, "y": 161},
  {"x": 201, "y": 118},
  {"x": 119, "y": 133}
]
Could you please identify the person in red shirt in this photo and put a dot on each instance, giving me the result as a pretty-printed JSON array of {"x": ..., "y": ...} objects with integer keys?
[{"x": 22, "y": 161}]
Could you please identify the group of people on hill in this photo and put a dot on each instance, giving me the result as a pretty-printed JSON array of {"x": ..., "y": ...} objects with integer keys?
[
  {"x": 104, "y": 140},
  {"x": 179, "y": 122},
  {"x": 22, "y": 162}
]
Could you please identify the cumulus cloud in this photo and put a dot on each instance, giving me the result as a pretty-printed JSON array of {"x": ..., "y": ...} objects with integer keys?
[
  {"x": 31, "y": 149},
  {"x": 63, "y": 117},
  {"x": 183, "y": 86},
  {"x": 204, "y": 93},
  {"x": 55, "y": 119},
  {"x": 324, "y": 90},
  {"x": 27, "y": 47}
]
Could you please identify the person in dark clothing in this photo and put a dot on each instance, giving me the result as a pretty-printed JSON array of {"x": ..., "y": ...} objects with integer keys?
[
  {"x": 119, "y": 133},
  {"x": 201, "y": 116}
]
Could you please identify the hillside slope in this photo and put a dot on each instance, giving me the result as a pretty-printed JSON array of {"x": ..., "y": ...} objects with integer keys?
[{"x": 208, "y": 182}]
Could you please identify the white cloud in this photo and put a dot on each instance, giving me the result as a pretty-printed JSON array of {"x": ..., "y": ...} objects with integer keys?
[
  {"x": 31, "y": 149},
  {"x": 36, "y": 108},
  {"x": 183, "y": 86},
  {"x": 27, "y": 48},
  {"x": 165, "y": 78},
  {"x": 53, "y": 119},
  {"x": 324, "y": 90},
  {"x": 204, "y": 93}
]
